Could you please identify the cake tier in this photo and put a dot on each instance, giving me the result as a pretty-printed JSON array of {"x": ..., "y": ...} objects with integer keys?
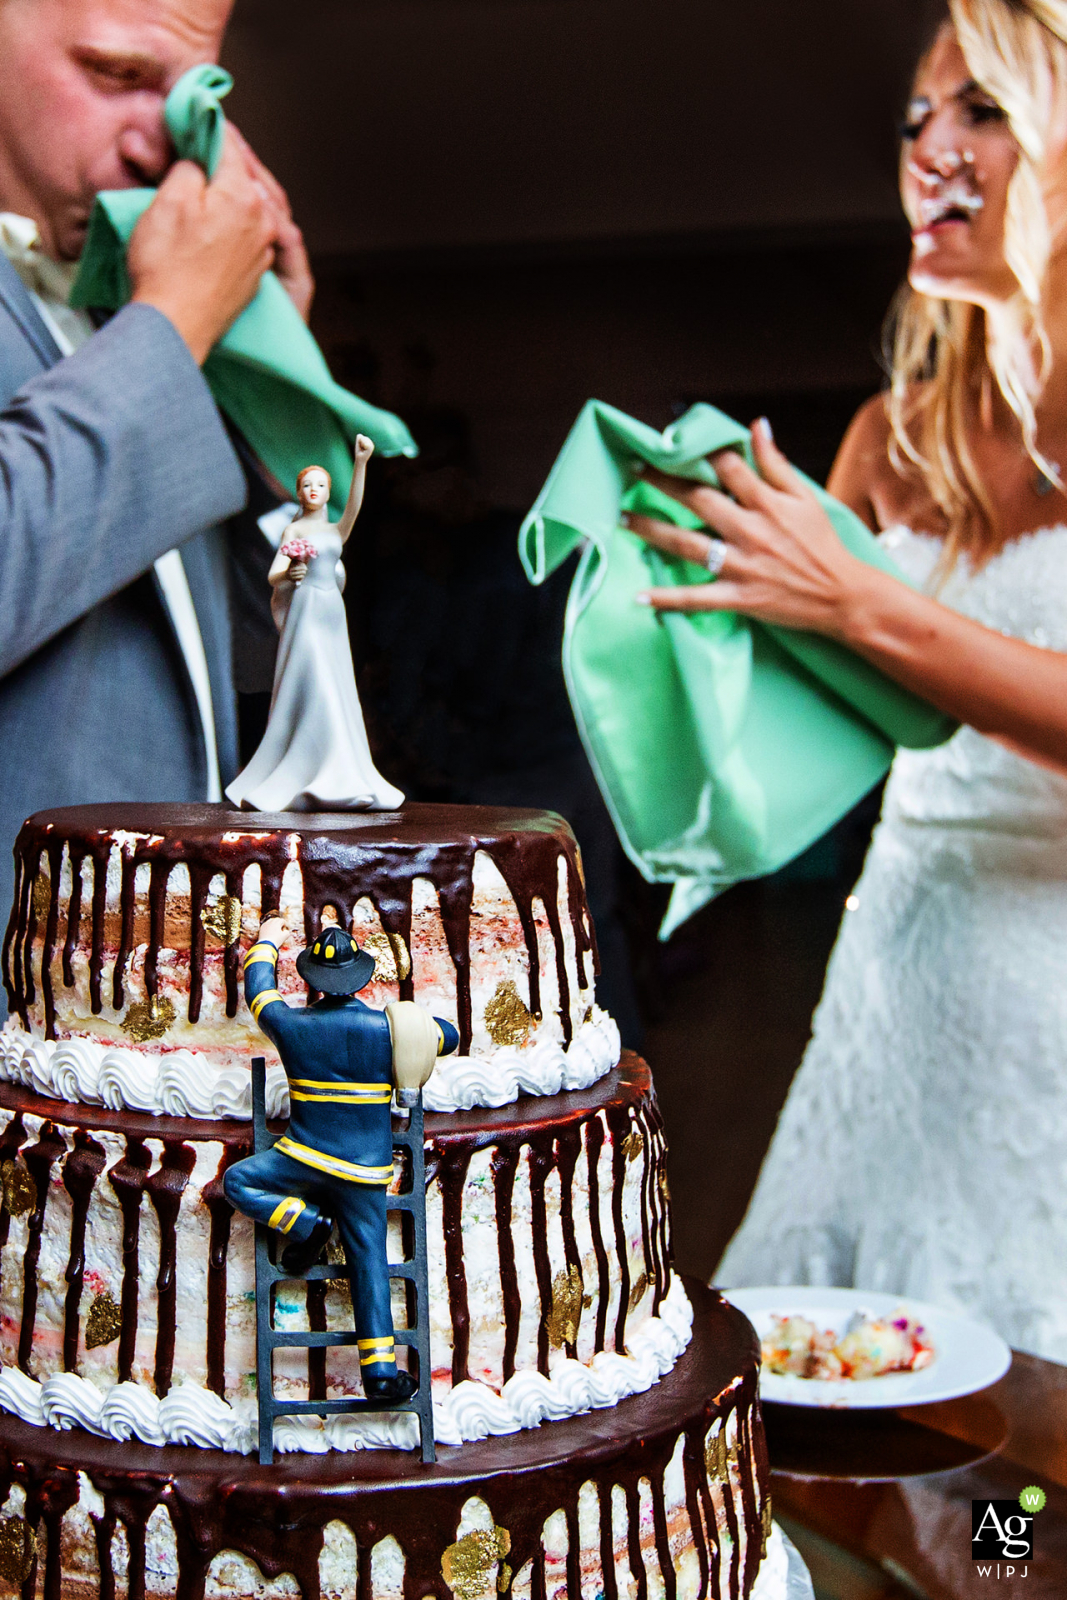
[
  {"x": 666, "y": 1495},
  {"x": 122, "y": 956},
  {"x": 127, "y": 1282}
]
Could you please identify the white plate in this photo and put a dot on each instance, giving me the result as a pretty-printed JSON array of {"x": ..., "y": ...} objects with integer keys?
[{"x": 968, "y": 1355}]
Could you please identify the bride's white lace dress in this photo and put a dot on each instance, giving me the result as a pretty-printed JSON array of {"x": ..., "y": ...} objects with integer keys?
[{"x": 923, "y": 1147}]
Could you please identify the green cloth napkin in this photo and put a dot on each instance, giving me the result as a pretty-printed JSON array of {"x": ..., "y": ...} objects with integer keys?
[
  {"x": 267, "y": 373},
  {"x": 723, "y": 746}
]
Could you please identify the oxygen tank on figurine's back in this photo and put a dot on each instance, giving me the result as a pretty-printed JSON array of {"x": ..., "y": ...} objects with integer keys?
[{"x": 417, "y": 1042}]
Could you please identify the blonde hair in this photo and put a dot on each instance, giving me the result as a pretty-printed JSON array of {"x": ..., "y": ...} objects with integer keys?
[
  {"x": 302, "y": 474},
  {"x": 946, "y": 353}
]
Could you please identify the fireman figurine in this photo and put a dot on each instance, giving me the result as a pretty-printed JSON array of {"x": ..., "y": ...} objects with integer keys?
[{"x": 334, "y": 1162}]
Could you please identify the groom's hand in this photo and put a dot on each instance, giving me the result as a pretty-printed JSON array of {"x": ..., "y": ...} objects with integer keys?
[{"x": 201, "y": 248}]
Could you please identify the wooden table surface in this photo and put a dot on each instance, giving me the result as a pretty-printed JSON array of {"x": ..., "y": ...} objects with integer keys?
[{"x": 879, "y": 1502}]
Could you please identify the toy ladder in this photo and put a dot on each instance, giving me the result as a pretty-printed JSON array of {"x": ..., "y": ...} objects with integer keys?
[{"x": 412, "y": 1270}]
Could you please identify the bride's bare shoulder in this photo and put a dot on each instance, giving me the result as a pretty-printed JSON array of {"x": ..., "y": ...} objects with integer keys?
[{"x": 865, "y": 476}]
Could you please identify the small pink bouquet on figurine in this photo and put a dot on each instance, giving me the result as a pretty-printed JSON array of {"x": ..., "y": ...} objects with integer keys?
[{"x": 301, "y": 550}]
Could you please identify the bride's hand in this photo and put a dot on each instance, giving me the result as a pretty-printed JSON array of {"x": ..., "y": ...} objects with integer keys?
[
  {"x": 782, "y": 560},
  {"x": 298, "y": 571}
]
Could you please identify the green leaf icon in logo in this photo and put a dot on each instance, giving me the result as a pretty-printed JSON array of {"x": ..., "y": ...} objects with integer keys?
[{"x": 1032, "y": 1499}]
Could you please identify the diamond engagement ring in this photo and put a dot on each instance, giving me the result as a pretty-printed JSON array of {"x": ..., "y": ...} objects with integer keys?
[{"x": 715, "y": 559}]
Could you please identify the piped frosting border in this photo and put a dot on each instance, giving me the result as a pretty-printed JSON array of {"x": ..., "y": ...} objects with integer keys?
[
  {"x": 185, "y": 1083},
  {"x": 191, "y": 1415}
]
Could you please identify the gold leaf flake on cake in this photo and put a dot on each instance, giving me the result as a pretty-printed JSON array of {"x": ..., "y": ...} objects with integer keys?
[
  {"x": 637, "y": 1292},
  {"x": 223, "y": 919},
  {"x": 104, "y": 1322},
  {"x": 392, "y": 958},
  {"x": 766, "y": 1520},
  {"x": 18, "y": 1547},
  {"x": 473, "y": 1563},
  {"x": 719, "y": 1457},
  {"x": 42, "y": 896},
  {"x": 562, "y": 1321},
  {"x": 633, "y": 1144},
  {"x": 19, "y": 1189},
  {"x": 335, "y": 1255},
  {"x": 148, "y": 1019},
  {"x": 507, "y": 1019},
  {"x": 664, "y": 1187}
]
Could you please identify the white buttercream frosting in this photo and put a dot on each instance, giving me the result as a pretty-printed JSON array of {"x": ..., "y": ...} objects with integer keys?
[
  {"x": 185, "y": 1083},
  {"x": 470, "y": 1411}
]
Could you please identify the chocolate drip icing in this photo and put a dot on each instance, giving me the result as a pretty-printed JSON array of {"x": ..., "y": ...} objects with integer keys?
[
  {"x": 505, "y": 1162},
  {"x": 80, "y": 1171},
  {"x": 607, "y": 1544},
  {"x": 129, "y": 1178},
  {"x": 316, "y": 1314},
  {"x": 96, "y": 951},
  {"x": 726, "y": 1495},
  {"x": 11, "y": 1142},
  {"x": 754, "y": 1545},
  {"x": 74, "y": 914},
  {"x": 452, "y": 1171},
  {"x": 157, "y": 905},
  {"x": 29, "y": 922},
  {"x": 663, "y": 1544},
  {"x": 696, "y": 1500},
  {"x": 12, "y": 984},
  {"x": 165, "y": 1187},
  {"x": 342, "y": 860},
  {"x": 620, "y": 1126},
  {"x": 633, "y": 1537},
  {"x": 136, "y": 1543},
  {"x": 199, "y": 887},
  {"x": 55, "y": 864},
  {"x": 574, "y": 1550},
  {"x": 103, "y": 1533},
  {"x": 568, "y": 1145},
  {"x": 39, "y": 1159},
  {"x": 221, "y": 1213},
  {"x": 660, "y": 1210},
  {"x": 127, "y": 914},
  {"x": 648, "y": 1173},
  {"x": 540, "y": 1162},
  {"x": 594, "y": 1143}
]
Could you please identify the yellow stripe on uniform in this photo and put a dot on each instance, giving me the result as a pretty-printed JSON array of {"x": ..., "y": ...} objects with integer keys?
[
  {"x": 285, "y": 1214},
  {"x": 373, "y": 1352},
  {"x": 256, "y": 1004},
  {"x": 350, "y": 1171},
  {"x": 346, "y": 1099},
  {"x": 357, "y": 1094},
  {"x": 263, "y": 951},
  {"x": 339, "y": 1083},
  {"x": 373, "y": 1344}
]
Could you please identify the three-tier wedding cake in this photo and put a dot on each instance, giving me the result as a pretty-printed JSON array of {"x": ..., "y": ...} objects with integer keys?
[{"x": 597, "y": 1421}]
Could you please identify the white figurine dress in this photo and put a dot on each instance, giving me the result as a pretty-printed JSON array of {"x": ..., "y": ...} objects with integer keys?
[
  {"x": 314, "y": 755},
  {"x": 923, "y": 1147}
]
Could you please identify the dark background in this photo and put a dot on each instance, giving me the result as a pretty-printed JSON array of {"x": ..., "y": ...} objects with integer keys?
[{"x": 515, "y": 205}]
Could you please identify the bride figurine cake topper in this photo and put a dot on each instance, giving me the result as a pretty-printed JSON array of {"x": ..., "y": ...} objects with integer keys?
[{"x": 314, "y": 755}]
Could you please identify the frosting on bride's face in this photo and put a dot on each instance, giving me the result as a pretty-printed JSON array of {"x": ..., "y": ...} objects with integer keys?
[
  {"x": 958, "y": 158},
  {"x": 314, "y": 489}
]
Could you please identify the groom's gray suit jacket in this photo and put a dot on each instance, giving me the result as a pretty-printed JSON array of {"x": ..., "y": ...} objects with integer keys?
[{"x": 108, "y": 458}]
